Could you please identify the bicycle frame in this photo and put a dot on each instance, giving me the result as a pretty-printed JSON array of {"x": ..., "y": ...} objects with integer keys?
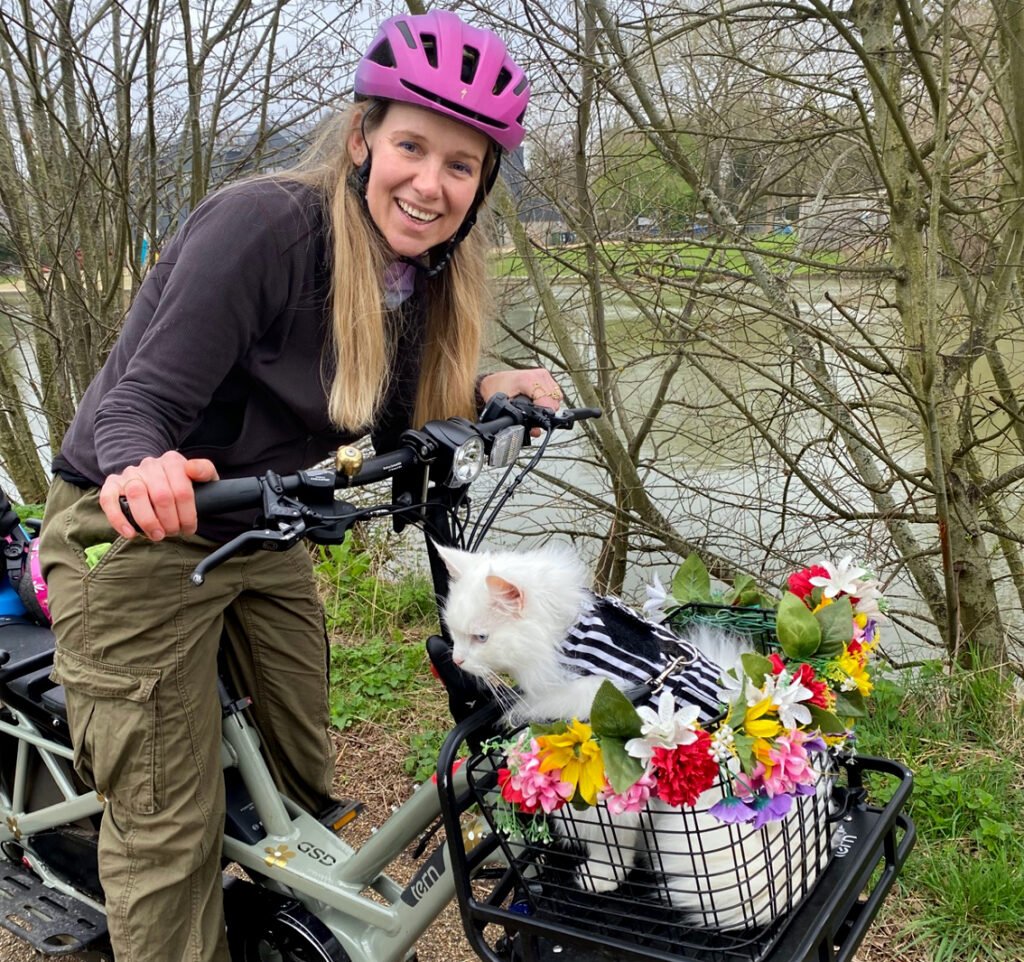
[{"x": 297, "y": 856}]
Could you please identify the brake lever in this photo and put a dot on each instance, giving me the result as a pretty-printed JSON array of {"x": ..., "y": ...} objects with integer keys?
[{"x": 261, "y": 539}]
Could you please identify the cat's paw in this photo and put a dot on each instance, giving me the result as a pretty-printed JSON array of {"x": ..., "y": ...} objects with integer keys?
[{"x": 598, "y": 880}]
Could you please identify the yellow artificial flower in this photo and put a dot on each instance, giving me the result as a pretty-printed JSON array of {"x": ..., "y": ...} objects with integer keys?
[
  {"x": 577, "y": 753},
  {"x": 824, "y": 603},
  {"x": 756, "y": 725},
  {"x": 854, "y": 666},
  {"x": 861, "y": 621}
]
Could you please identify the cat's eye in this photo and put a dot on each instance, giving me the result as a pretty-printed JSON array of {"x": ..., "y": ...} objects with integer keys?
[{"x": 478, "y": 639}]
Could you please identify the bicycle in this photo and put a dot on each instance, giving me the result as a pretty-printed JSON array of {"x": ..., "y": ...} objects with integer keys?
[{"x": 308, "y": 898}]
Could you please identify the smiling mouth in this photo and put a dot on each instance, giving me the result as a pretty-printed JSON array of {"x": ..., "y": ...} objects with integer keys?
[{"x": 423, "y": 216}]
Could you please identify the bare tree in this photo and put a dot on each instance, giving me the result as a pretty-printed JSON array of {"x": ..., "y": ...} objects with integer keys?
[
  {"x": 835, "y": 366},
  {"x": 116, "y": 118}
]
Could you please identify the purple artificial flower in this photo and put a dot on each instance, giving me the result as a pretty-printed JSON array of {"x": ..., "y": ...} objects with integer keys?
[
  {"x": 731, "y": 810},
  {"x": 769, "y": 809}
]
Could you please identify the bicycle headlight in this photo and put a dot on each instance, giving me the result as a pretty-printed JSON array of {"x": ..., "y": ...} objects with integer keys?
[{"x": 466, "y": 463}]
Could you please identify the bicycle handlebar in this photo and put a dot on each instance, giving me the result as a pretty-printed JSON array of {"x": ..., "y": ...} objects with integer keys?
[{"x": 425, "y": 446}]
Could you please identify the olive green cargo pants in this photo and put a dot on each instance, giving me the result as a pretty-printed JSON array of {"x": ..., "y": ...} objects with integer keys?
[{"x": 137, "y": 654}]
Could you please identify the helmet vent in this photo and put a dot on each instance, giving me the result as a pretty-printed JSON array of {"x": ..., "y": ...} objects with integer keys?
[
  {"x": 504, "y": 78},
  {"x": 382, "y": 54},
  {"x": 430, "y": 48},
  {"x": 454, "y": 107},
  {"x": 403, "y": 29},
  {"x": 470, "y": 60},
  {"x": 521, "y": 86}
]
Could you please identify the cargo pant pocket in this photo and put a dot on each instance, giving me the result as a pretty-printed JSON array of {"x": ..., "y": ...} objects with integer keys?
[{"x": 115, "y": 728}]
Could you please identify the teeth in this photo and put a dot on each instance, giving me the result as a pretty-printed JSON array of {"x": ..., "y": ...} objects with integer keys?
[{"x": 420, "y": 215}]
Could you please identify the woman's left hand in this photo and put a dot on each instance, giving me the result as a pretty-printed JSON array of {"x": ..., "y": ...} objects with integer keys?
[{"x": 535, "y": 383}]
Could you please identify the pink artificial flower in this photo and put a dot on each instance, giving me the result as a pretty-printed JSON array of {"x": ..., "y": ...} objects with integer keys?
[
  {"x": 633, "y": 799},
  {"x": 790, "y": 764},
  {"x": 544, "y": 790},
  {"x": 526, "y": 786}
]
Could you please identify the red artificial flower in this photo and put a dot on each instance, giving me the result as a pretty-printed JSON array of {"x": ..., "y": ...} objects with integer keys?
[
  {"x": 821, "y": 696},
  {"x": 778, "y": 664},
  {"x": 683, "y": 773},
  {"x": 511, "y": 793},
  {"x": 800, "y": 581},
  {"x": 853, "y": 647}
]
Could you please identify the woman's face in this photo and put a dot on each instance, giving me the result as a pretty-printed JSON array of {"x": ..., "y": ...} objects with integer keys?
[{"x": 425, "y": 172}]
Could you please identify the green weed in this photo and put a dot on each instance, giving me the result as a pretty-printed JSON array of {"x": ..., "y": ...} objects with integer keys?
[
  {"x": 362, "y": 598},
  {"x": 961, "y": 735}
]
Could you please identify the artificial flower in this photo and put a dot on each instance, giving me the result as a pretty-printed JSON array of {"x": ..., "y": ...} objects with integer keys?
[
  {"x": 732, "y": 809},
  {"x": 787, "y": 695},
  {"x": 577, "y": 754},
  {"x": 758, "y": 726},
  {"x": 771, "y": 809},
  {"x": 664, "y": 728},
  {"x": 820, "y": 694},
  {"x": 790, "y": 763},
  {"x": 654, "y": 606},
  {"x": 685, "y": 772},
  {"x": 544, "y": 790},
  {"x": 851, "y": 666},
  {"x": 839, "y": 579},
  {"x": 800, "y": 581},
  {"x": 633, "y": 800}
]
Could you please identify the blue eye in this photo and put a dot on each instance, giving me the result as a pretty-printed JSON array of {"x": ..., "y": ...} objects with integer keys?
[
  {"x": 478, "y": 639},
  {"x": 462, "y": 168}
]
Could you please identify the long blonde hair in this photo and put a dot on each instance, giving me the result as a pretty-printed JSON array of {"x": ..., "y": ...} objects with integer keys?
[{"x": 457, "y": 298}]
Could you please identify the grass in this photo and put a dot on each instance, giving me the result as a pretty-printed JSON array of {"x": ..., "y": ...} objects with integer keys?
[
  {"x": 961, "y": 735},
  {"x": 379, "y": 669},
  {"x": 675, "y": 258}
]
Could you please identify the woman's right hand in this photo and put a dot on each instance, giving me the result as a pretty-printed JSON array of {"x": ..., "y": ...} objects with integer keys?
[{"x": 159, "y": 495}]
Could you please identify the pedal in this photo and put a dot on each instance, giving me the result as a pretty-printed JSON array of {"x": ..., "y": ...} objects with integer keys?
[
  {"x": 336, "y": 817},
  {"x": 50, "y": 921}
]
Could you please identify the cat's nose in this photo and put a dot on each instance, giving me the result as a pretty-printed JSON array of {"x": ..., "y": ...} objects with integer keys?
[{"x": 458, "y": 659}]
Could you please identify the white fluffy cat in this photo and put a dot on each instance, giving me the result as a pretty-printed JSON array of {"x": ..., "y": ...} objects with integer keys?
[{"x": 529, "y": 615}]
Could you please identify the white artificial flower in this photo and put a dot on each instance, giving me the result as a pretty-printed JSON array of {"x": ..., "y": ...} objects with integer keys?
[
  {"x": 842, "y": 578},
  {"x": 787, "y": 696},
  {"x": 868, "y": 595},
  {"x": 655, "y": 604},
  {"x": 664, "y": 728}
]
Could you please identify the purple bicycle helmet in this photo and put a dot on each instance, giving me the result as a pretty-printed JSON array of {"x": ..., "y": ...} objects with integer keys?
[{"x": 434, "y": 60}]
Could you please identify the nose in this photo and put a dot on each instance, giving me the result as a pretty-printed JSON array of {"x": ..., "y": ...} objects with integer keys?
[
  {"x": 427, "y": 181},
  {"x": 458, "y": 659}
]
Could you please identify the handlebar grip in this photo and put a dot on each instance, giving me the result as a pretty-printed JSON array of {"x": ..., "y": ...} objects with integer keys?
[{"x": 218, "y": 497}]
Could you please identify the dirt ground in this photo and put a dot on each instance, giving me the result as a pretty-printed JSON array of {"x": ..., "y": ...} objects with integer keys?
[{"x": 369, "y": 766}]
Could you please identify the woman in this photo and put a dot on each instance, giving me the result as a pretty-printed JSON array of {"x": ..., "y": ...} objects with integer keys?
[{"x": 291, "y": 314}]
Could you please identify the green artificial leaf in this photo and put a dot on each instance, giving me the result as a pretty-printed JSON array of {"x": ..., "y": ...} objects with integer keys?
[
  {"x": 691, "y": 581},
  {"x": 798, "y": 630},
  {"x": 552, "y": 728},
  {"x": 756, "y": 667},
  {"x": 743, "y": 745},
  {"x": 744, "y": 591},
  {"x": 836, "y": 622},
  {"x": 825, "y": 721},
  {"x": 622, "y": 769},
  {"x": 850, "y": 704},
  {"x": 612, "y": 715}
]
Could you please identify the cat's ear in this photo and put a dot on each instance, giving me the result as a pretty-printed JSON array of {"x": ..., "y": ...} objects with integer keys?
[
  {"x": 457, "y": 562},
  {"x": 505, "y": 596}
]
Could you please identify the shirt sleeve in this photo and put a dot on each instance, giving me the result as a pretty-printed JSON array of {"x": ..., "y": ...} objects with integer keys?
[{"x": 220, "y": 285}]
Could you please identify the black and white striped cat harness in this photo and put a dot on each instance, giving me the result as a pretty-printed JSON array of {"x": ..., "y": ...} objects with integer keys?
[{"x": 612, "y": 641}]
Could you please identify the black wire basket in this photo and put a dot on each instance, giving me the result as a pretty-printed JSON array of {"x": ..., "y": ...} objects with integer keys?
[
  {"x": 673, "y": 883},
  {"x": 667, "y": 880}
]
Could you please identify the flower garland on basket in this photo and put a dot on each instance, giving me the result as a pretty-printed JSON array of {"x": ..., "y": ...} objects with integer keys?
[{"x": 780, "y": 711}]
